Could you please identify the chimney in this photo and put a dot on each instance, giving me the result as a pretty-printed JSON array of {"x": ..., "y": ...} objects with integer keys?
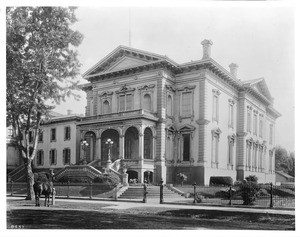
[
  {"x": 69, "y": 112},
  {"x": 206, "y": 48},
  {"x": 233, "y": 69}
]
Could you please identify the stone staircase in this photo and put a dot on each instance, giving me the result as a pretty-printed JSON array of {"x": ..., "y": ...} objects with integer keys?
[{"x": 137, "y": 192}]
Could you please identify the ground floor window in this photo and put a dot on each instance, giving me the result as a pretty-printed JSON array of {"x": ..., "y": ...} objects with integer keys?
[
  {"x": 186, "y": 146},
  {"x": 66, "y": 156}
]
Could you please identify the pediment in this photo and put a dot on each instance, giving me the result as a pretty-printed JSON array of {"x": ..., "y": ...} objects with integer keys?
[
  {"x": 125, "y": 62},
  {"x": 121, "y": 58},
  {"x": 186, "y": 127},
  {"x": 260, "y": 86}
]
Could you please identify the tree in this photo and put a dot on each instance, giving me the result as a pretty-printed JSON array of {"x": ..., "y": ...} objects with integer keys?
[
  {"x": 281, "y": 157},
  {"x": 291, "y": 164},
  {"x": 41, "y": 65}
]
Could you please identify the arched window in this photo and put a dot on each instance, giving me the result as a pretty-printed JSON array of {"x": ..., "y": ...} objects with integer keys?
[
  {"x": 106, "y": 107},
  {"x": 147, "y": 102},
  {"x": 169, "y": 106}
]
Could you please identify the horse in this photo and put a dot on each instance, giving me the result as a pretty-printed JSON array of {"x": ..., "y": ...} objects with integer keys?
[{"x": 43, "y": 187}]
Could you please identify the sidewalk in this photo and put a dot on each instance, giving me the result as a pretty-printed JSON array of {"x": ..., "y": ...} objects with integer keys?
[{"x": 128, "y": 204}]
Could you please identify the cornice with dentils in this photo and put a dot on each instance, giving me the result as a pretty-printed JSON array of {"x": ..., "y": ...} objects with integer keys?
[{"x": 175, "y": 68}]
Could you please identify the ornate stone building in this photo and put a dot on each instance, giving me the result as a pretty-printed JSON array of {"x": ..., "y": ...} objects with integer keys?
[{"x": 164, "y": 118}]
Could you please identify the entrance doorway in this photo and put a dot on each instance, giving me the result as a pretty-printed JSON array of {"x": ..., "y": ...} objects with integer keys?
[{"x": 148, "y": 176}]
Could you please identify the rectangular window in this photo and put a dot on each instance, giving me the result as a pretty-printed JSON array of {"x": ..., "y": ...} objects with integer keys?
[
  {"x": 67, "y": 156},
  {"x": 30, "y": 135},
  {"x": 41, "y": 136},
  {"x": 270, "y": 161},
  {"x": 67, "y": 133},
  {"x": 186, "y": 103},
  {"x": 215, "y": 150},
  {"x": 248, "y": 121},
  {"x": 260, "y": 127},
  {"x": 230, "y": 153},
  {"x": 40, "y": 158},
  {"x": 186, "y": 147},
  {"x": 248, "y": 157},
  {"x": 129, "y": 102},
  {"x": 53, "y": 134},
  {"x": 122, "y": 102},
  {"x": 230, "y": 116},
  {"x": 255, "y": 124},
  {"x": 271, "y": 134},
  {"x": 52, "y": 157},
  {"x": 125, "y": 102},
  {"x": 215, "y": 108}
]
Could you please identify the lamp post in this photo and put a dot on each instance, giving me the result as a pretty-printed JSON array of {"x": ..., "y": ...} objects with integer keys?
[
  {"x": 109, "y": 142},
  {"x": 84, "y": 145}
]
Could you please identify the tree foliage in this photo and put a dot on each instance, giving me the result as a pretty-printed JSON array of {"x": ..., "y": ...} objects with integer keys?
[
  {"x": 285, "y": 161},
  {"x": 41, "y": 66}
]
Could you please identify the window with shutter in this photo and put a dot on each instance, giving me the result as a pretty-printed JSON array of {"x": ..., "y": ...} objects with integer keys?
[{"x": 169, "y": 106}]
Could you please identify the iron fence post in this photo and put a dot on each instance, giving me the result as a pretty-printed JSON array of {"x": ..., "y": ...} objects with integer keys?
[
  {"x": 12, "y": 188},
  {"x": 91, "y": 189},
  {"x": 145, "y": 193},
  {"x": 230, "y": 190},
  {"x": 271, "y": 195},
  {"x": 194, "y": 192},
  {"x": 161, "y": 201},
  {"x": 68, "y": 193},
  {"x": 53, "y": 196}
]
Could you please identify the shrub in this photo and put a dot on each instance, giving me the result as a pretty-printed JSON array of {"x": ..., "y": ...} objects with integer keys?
[
  {"x": 249, "y": 191},
  {"x": 220, "y": 180},
  {"x": 252, "y": 178}
]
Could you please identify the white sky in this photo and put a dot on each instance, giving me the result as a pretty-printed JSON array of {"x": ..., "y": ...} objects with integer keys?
[{"x": 259, "y": 39}]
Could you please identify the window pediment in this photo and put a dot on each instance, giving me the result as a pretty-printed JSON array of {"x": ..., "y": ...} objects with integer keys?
[
  {"x": 186, "y": 128},
  {"x": 125, "y": 89}
]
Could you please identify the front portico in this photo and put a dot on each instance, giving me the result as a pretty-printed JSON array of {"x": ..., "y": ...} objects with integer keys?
[{"x": 133, "y": 140}]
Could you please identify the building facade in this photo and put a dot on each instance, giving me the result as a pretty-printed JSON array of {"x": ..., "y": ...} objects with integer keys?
[
  {"x": 58, "y": 143},
  {"x": 166, "y": 118}
]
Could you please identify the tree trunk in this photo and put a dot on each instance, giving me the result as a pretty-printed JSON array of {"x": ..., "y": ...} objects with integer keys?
[{"x": 30, "y": 179}]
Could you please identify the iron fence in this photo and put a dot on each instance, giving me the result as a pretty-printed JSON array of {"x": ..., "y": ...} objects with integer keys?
[
  {"x": 68, "y": 190},
  {"x": 258, "y": 195}
]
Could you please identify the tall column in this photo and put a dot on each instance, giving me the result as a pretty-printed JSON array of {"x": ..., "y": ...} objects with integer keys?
[
  {"x": 141, "y": 146},
  {"x": 160, "y": 164},
  {"x": 121, "y": 146}
]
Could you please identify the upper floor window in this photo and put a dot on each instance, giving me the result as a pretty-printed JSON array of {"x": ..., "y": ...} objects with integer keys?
[
  {"x": 169, "y": 106},
  {"x": 186, "y": 105},
  {"x": 41, "y": 136},
  {"x": 52, "y": 157},
  {"x": 125, "y": 102},
  {"x": 40, "y": 157},
  {"x": 67, "y": 156},
  {"x": 186, "y": 95},
  {"x": 106, "y": 107},
  {"x": 255, "y": 124},
  {"x": 147, "y": 102},
  {"x": 67, "y": 133},
  {"x": 53, "y": 134},
  {"x": 260, "y": 127},
  {"x": 215, "y": 109},
  {"x": 249, "y": 120},
  {"x": 230, "y": 113}
]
